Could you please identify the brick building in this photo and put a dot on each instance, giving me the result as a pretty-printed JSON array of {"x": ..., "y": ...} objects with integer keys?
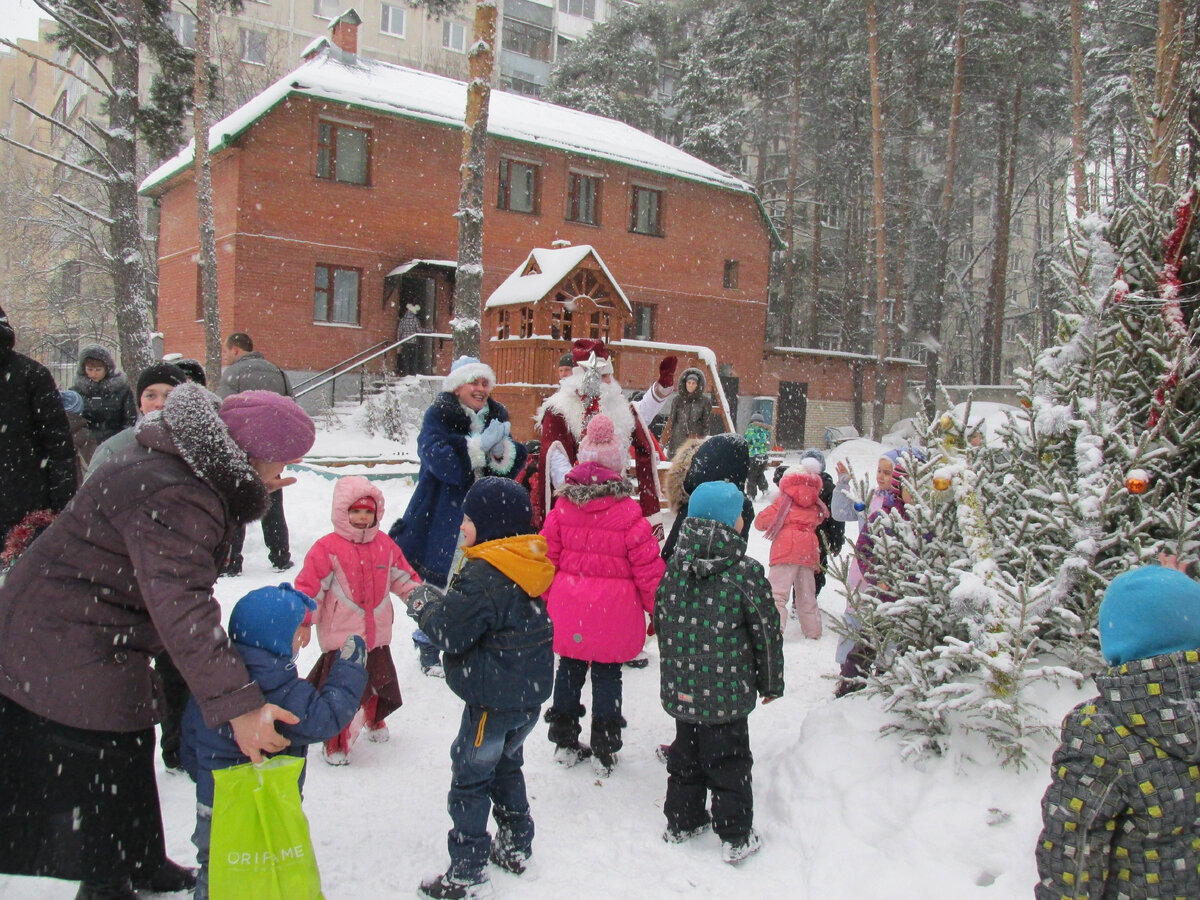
[{"x": 334, "y": 199}]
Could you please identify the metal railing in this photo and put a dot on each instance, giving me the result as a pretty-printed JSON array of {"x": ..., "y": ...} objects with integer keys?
[{"x": 350, "y": 364}]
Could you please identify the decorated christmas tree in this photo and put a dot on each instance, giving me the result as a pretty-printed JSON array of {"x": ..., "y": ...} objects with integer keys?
[{"x": 992, "y": 576}]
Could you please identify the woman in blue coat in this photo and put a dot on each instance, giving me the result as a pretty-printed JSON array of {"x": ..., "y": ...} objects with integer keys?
[{"x": 465, "y": 436}]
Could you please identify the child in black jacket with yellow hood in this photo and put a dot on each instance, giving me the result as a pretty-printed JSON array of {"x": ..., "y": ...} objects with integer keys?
[{"x": 496, "y": 638}]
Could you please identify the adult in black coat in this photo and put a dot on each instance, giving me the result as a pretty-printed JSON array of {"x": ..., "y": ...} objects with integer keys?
[
  {"x": 37, "y": 455},
  {"x": 723, "y": 457},
  {"x": 108, "y": 402}
]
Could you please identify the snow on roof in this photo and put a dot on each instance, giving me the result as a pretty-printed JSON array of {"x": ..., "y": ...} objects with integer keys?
[
  {"x": 413, "y": 263},
  {"x": 551, "y": 267},
  {"x": 400, "y": 91}
]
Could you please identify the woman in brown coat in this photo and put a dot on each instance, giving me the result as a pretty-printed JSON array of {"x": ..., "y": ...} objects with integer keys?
[{"x": 125, "y": 572}]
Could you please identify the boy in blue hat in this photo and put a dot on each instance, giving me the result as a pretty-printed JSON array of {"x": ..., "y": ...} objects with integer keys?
[
  {"x": 265, "y": 628},
  {"x": 1119, "y": 818},
  {"x": 720, "y": 648}
]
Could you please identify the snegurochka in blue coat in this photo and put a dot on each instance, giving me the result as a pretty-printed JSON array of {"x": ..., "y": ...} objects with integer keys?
[{"x": 465, "y": 436}]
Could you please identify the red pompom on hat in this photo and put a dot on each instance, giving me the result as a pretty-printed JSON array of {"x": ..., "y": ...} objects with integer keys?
[{"x": 268, "y": 426}]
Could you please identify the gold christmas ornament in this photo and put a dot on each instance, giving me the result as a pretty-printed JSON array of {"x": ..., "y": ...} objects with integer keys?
[
  {"x": 945, "y": 423},
  {"x": 1137, "y": 481},
  {"x": 941, "y": 483}
]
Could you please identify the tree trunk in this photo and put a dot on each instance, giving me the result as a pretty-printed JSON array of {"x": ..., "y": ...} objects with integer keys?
[
  {"x": 1078, "y": 138},
  {"x": 128, "y": 263},
  {"x": 881, "y": 278},
  {"x": 468, "y": 288},
  {"x": 204, "y": 206},
  {"x": 1164, "y": 119},
  {"x": 790, "y": 329},
  {"x": 937, "y": 304},
  {"x": 1006, "y": 160}
]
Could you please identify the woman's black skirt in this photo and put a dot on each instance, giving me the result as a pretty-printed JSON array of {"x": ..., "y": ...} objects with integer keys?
[{"x": 75, "y": 804}]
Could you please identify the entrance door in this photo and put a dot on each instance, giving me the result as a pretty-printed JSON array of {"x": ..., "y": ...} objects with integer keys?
[
  {"x": 793, "y": 410},
  {"x": 421, "y": 290}
]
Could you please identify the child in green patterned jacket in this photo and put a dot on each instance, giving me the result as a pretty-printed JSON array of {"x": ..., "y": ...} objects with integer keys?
[{"x": 721, "y": 648}]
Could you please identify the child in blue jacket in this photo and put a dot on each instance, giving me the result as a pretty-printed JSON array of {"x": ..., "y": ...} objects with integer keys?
[{"x": 265, "y": 630}]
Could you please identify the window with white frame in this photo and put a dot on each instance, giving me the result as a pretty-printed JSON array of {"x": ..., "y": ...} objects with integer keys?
[
  {"x": 326, "y": 9},
  {"x": 254, "y": 46},
  {"x": 583, "y": 198},
  {"x": 454, "y": 37},
  {"x": 391, "y": 19},
  {"x": 518, "y": 191},
  {"x": 183, "y": 26},
  {"x": 585, "y": 8},
  {"x": 335, "y": 295}
]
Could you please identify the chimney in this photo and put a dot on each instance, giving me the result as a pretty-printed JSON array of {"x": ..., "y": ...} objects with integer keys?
[{"x": 345, "y": 32}]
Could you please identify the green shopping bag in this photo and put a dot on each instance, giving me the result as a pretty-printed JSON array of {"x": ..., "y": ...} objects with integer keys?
[{"x": 260, "y": 844}]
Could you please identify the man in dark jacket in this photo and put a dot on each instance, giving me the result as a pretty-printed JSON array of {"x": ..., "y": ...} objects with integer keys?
[
  {"x": 246, "y": 369},
  {"x": 497, "y": 638},
  {"x": 37, "y": 455},
  {"x": 721, "y": 648}
]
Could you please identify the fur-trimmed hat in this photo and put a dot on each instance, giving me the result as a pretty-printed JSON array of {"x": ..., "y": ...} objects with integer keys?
[
  {"x": 601, "y": 445},
  {"x": 464, "y": 370},
  {"x": 585, "y": 349}
]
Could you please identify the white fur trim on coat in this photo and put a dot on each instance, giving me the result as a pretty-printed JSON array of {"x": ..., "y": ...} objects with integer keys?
[{"x": 502, "y": 464}]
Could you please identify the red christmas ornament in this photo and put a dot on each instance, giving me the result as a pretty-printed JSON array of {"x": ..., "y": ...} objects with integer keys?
[{"x": 1137, "y": 481}]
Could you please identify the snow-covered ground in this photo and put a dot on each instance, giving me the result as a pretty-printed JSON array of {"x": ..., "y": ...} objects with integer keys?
[{"x": 842, "y": 816}]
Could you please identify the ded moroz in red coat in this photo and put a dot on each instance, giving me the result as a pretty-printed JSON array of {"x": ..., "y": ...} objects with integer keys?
[
  {"x": 607, "y": 568},
  {"x": 800, "y": 507},
  {"x": 351, "y": 572}
]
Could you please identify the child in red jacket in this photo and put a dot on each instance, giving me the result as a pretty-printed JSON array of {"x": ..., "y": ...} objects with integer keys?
[
  {"x": 791, "y": 525},
  {"x": 350, "y": 574}
]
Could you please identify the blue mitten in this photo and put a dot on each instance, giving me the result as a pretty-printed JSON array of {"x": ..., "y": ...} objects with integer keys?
[
  {"x": 492, "y": 435},
  {"x": 354, "y": 650}
]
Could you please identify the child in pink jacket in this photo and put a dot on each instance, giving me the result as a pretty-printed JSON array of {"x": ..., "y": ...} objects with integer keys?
[
  {"x": 607, "y": 570},
  {"x": 791, "y": 526},
  {"x": 350, "y": 574}
]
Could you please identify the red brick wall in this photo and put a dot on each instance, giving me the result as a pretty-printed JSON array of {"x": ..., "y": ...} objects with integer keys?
[{"x": 276, "y": 221}]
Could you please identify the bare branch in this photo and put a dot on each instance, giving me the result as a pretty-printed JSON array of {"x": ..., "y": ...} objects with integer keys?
[
  {"x": 54, "y": 159},
  {"x": 26, "y": 52},
  {"x": 74, "y": 132},
  {"x": 78, "y": 207}
]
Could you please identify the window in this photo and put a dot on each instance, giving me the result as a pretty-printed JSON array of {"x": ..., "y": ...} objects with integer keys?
[
  {"x": 527, "y": 40},
  {"x": 645, "y": 212},
  {"x": 326, "y": 9},
  {"x": 57, "y": 132},
  {"x": 641, "y": 326},
  {"x": 454, "y": 37},
  {"x": 391, "y": 20},
  {"x": 183, "y": 26},
  {"x": 583, "y": 199},
  {"x": 730, "y": 280},
  {"x": 585, "y": 8},
  {"x": 518, "y": 186},
  {"x": 254, "y": 46},
  {"x": 342, "y": 153},
  {"x": 335, "y": 295}
]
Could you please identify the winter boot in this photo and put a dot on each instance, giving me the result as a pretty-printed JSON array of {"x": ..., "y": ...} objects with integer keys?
[
  {"x": 673, "y": 836},
  {"x": 735, "y": 851},
  {"x": 564, "y": 734},
  {"x": 507, "y": 855},
  {"x": 444, "y": 887},
  {"x": 606, "y": 741},
  {"x": 431, "y": 659},
  {"x": 336, "y": 751},
  {"x": 377, "y": 731},
  {"x": 168, "y": 878}
]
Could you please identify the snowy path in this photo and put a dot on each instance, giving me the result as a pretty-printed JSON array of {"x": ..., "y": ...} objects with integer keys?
[{"x": 842, "y": 817}]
